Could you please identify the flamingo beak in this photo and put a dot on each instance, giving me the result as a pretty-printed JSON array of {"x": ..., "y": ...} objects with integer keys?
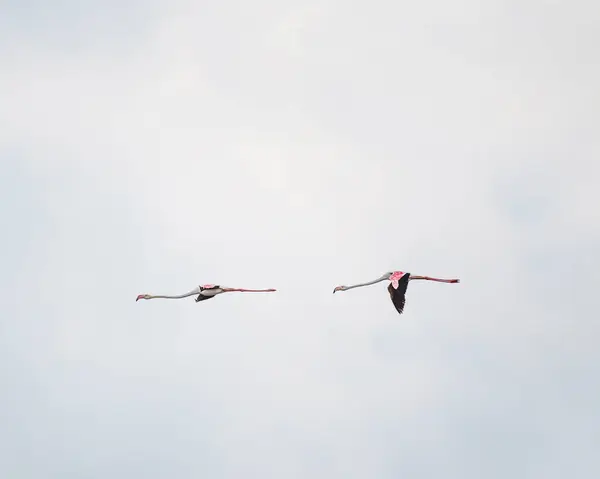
[{"x": 141, "y": 296}]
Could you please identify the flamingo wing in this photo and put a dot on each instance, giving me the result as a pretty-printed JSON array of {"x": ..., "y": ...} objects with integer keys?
[
  {"x": 202, "y": 297},
  {"x": 398, "y": 295},
  {"x": 207, "y": 287}
]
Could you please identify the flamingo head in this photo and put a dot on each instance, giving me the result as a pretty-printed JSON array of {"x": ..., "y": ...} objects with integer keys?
[
  {"x": 143, "y": 296},
  {"x": 339, "y": 288}
]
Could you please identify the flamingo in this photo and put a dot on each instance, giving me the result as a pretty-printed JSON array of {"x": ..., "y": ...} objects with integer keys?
[
  {"x": 205, "y": 292},
  {"x": 397, "y": 287}
]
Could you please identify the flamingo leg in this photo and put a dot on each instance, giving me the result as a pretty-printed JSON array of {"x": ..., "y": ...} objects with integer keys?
[{"x": 440, "y": 280}]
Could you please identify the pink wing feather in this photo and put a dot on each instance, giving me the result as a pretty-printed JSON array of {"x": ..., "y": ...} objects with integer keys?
[{"x": 395, "y": 277}]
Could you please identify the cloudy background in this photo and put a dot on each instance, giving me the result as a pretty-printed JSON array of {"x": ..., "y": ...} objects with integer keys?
[{"x": 150, "y": 146}]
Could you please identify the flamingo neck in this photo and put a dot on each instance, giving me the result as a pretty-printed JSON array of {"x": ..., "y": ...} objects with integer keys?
[
  {"x": 164, "y": 296},
  {"x": 378, "y": 280},
  {"x": 179, "y": 296}
]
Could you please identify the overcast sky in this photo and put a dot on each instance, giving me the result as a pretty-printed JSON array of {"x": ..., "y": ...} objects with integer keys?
[{"x": 151, "y": 146}]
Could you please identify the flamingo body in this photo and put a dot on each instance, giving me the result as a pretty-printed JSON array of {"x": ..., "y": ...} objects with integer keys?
[
  {"x": 208, "y": 291},
  {"x": 397, "y": 289}
]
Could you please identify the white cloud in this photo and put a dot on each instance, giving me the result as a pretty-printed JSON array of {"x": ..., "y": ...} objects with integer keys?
[{"x": 301, "y": 147}]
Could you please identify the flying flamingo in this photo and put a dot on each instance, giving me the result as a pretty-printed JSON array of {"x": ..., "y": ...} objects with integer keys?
[
  {"x": 397, "y": 287},
  {"x": 205, "y": 292}
]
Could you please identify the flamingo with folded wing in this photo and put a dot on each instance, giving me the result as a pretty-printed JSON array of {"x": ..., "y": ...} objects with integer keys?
[{"x": 204, "y": 292}]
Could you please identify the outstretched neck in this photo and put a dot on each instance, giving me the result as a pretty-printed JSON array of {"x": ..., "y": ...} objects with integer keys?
[
  {"x": 164, "y": 296},
  {"x": 378, "y": 280},
  {"x": 174, "y": 296}
]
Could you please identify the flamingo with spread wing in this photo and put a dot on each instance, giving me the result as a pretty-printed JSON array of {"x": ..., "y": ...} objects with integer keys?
[{"x": 397, "y": 287}]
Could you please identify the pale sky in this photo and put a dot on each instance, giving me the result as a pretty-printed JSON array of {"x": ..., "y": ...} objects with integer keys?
[{"x": 151, "y": 146}]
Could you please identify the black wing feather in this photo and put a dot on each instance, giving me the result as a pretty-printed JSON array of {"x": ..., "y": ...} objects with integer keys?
[
  {"x": 398, "y": 296},
  {"x": 201, "y": 297}
]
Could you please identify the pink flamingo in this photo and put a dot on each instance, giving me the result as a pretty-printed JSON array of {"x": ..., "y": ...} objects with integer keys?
[
  {"x": 205, "y": 292},
  {"x": 397, "y": 287}
]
